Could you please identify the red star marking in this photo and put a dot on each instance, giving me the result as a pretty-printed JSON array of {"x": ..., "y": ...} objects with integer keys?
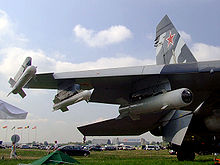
[{"x": 170, "y": 39}]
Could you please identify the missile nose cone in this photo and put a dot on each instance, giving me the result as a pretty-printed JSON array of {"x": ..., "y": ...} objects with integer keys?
[{"x": 187, "y": 96}]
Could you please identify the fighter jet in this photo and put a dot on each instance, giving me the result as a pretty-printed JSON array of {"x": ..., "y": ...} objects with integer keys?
[{"x": 178, "y": 98}]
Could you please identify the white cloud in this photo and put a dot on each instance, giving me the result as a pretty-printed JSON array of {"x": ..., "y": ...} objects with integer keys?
[
  {"x": 4, "y": 22},
  {"x": 186, "y": 36},
  {"x": 112, "y": 35},
  {"x": 8, "y": 36},
  {"x": 204, "y": 52},
  {"x": 14, "y": 56}
]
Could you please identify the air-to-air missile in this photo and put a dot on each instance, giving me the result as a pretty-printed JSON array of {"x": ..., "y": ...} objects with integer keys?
[
  {"x": 25, "y": 77},
  {"x": 80, "y": 96},
  {"x": 174, "y": 99}
]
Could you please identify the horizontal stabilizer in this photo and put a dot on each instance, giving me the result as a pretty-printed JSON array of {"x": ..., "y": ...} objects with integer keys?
[
  {"x": 12, "y": 82},
  {"x": 120, "y": 127},
  {"x": 21, "y": 93}
]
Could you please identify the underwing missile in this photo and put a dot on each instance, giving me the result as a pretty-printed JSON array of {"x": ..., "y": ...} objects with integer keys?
[
  {"x": 84, "y": 95},
  {"x": 25, "y": 77},
  {"x": 166, "y": 101}
]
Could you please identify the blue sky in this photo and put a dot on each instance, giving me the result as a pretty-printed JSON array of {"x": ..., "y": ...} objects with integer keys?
[{"x": 79, "y": 35}]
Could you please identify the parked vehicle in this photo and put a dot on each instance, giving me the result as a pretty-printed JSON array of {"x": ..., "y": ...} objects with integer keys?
[
  {"x": 152, "y": 147},
  {"x": 128, "y": 148},
  {"x": 2, "y": 146},
  {"x": 96, "y": 148},
  {"x": 25, "y": 147},
  {"x": 43, "y": 147},
  {"x": 172, "y": 152},
  {"x": 110, "y": 148},
  {"x": 120, "y": 147},
  {"x": 157, "y": 148},
  {"x": 85, "y": 147},
  {"x": 73, "y": 150}
]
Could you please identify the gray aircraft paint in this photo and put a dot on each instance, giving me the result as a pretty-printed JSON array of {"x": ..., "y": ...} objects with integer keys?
[
  {"x": 176, "y": 67},
  {"x": 116, "y": 82},
  {"x": 141, "y": 70},
  {"x": 176, "y": 128},
  {"x": 170, "y": 52}
]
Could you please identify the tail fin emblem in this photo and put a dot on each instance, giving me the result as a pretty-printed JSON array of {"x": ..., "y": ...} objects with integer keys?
[{"x": 170, "y": 39}]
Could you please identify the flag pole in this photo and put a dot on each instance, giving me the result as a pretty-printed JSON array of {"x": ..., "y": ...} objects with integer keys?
[
  {"x": 6, "y": 131},
  {"x": 21, "y": 134},
  {"x": 35, "y": 135},
  {"x": 28, "y": 135}
]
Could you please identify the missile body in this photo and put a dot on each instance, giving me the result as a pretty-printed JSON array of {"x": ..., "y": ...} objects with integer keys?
[
  {"x": 84, "y": 95},
  {"x": 166, "y": 101},
  {"x": 28, "y": 74}
]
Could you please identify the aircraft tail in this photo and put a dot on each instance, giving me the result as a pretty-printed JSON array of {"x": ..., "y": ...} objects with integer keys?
[{"x": 170, "y": 47}]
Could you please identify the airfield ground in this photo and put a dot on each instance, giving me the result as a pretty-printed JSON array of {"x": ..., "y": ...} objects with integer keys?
[{"x": 136, "y": 157}]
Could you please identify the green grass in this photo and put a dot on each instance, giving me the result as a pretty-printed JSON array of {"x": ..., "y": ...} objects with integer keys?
[{"x": 138, "y": 157}]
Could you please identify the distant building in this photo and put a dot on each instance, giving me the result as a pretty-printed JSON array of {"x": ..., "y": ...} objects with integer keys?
[
  {"x": 101, "y": 141},
  {"x": 127, "y": 141}
]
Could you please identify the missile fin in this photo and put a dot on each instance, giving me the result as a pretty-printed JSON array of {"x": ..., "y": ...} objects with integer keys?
[
  {"x": 21, "y": 93},
  {"x": 12, "y": 82},
  {"x": 64, "y": 109}
]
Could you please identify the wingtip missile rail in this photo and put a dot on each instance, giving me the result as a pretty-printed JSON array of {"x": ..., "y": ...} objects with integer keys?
[{"x": 25, "y": 77}]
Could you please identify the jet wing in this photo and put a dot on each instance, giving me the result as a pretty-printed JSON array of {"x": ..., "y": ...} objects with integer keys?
[
  {"x": 114, "y": 86},
  {"x": 43, "y": 81},
  {"x": 89, "y": 79},
  {"x": 121, "y": 127}
]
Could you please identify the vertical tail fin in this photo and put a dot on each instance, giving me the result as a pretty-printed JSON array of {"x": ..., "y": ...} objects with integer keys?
[{"x": 170, "y": 47}]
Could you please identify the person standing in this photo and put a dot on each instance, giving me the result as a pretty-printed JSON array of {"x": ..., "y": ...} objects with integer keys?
[
  {"x": 48, "y": 149},
  {"x": 13, "y": 153},
  {"x": 55, "y": 146}
]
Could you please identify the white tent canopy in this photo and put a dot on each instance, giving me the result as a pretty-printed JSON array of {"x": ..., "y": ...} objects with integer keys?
[{"x": 10, "y": 112}]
